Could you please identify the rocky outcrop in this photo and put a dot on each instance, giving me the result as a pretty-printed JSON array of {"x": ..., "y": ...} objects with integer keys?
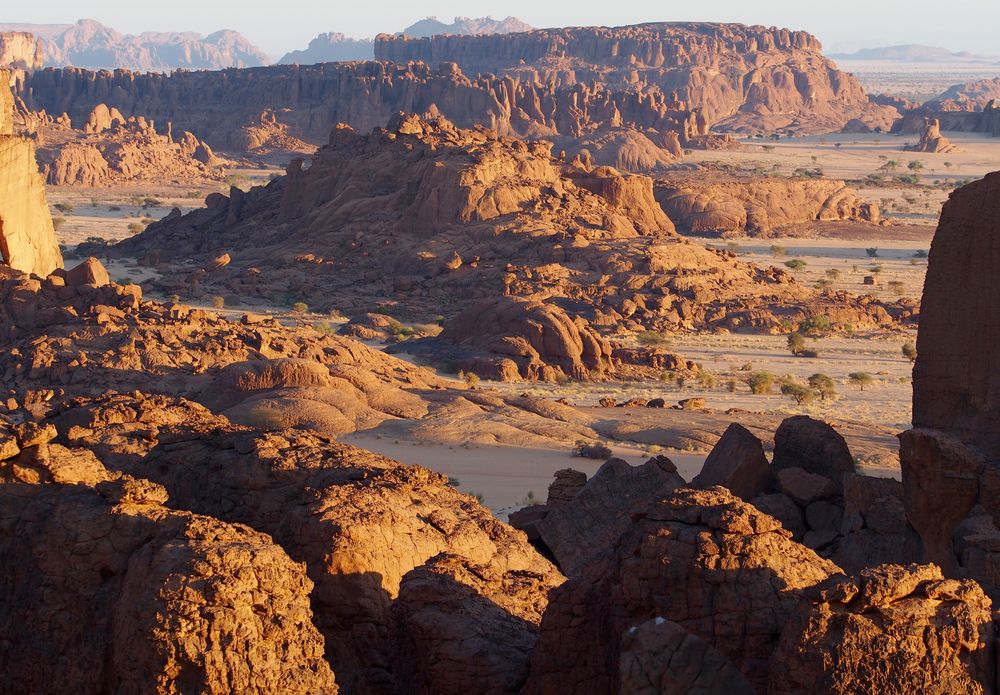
[
  {"x": 111, "y": 148},
  {"x": 20, "y": 50},
  {"x": 579, "y": 530},
  {"x": 27, "y": 237},
  {"x": 697, "y": 558},
  {"x": 106, "y": 589},
  {"x": 360, "y": 523},
  {"x": 951, "y": 460},
  {"x": 491, "y": 217},
  {"x": 710, "y": 203},
  {"x": 931, "y": 139},
  {"x": 968, "y": 96},
  {"x": 529, "y": 340},
  {"x": 741, "y": 78},
  {"x": 932, "y": 635}
]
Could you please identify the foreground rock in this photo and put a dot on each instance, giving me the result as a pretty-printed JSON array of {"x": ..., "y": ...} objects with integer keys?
[
  {"x": 112, "y": 591},
  {"x": 360, "y": 523},
  {"x": 698, "y": 558},
  {"x": 951, "y": 460},
  {"x": 930, "y": 635}
]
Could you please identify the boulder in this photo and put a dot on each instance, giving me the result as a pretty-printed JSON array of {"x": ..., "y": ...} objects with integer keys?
[
  {"x": 813, "y": 446},
  {"x": 90, "y": 272},
  {"x": 579, "y": 531},
  {"x": 736, "y": 462}
]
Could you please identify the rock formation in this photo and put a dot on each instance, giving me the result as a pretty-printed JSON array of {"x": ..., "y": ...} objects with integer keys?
[
  {"x": 931, "y": 635},
  {"x": 931, "y": 139},
  {"x": 331, "y": 47},
  {"x": 492, "y": 217},
  {"x": 706, "y": 202},
  {"x": 951, "y": 459},
  {"x": 27, "y": 237},
  {"x": 466, "y": 26},
  {"x": 697, "y": 558},
  {"x": 684, "y": 79},
  {"x": 741, "y": 78},
  {"x": 20, "y": 50},
  {"x": 537, "y": 341},
  {"x": 111, "y": 148}
]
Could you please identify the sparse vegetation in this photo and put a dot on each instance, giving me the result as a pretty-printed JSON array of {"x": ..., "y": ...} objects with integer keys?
[
  {"x": 796, "y": 264},
  {"x": 592, "y": 451},
  {"x": 471, "y": 379},
  {"x": 653, "y": 339},
  {"x": 300, "y": 307},
  {"x": 218, "y": 302},
  {"x": 910, "y": 351},
  {"x": 760, "y": 383},
  {"x": 65, "y": 208}
]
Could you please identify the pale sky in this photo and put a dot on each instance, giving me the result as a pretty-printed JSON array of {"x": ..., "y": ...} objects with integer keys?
[{"x": 278, "y": 26}]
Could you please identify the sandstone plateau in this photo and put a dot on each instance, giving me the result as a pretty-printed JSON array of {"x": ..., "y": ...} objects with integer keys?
[{"x": 681, "y": 78}]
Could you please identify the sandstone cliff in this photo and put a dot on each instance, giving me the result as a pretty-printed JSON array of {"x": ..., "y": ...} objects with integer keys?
[
  {"x": 951, "y": 459},
  {"x": 27, "y": 237},
  {"x": 742, "y": 78},
  {"x": 20, "y": 50}
]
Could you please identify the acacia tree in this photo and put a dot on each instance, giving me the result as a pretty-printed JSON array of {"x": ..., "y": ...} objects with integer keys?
[
  {"x": 823, "y": 385},
  {"x": 861, "y": 379}
]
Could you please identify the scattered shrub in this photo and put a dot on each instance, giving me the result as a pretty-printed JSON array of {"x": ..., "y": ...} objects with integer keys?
[
  {"x": 300, "y": 307},
  {"x": 910, "y": 351},
  {"x": 796, "y": 264},
  {"x": 652, "y": 339},
  {"x": 219, "y": 302},
  {"x": 592, "y": 451},
  {"x": 760, "y": 383}
]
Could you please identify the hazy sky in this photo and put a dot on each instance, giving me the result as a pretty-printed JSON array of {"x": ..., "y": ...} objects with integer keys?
[{"x": 281, "y": 25}]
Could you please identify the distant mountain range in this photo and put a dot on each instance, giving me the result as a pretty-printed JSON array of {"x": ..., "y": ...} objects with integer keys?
[
  {"x": 334, "y": 47},
  {"x": 90, "y": 44},
  {"x": 916, "y": 53}
]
